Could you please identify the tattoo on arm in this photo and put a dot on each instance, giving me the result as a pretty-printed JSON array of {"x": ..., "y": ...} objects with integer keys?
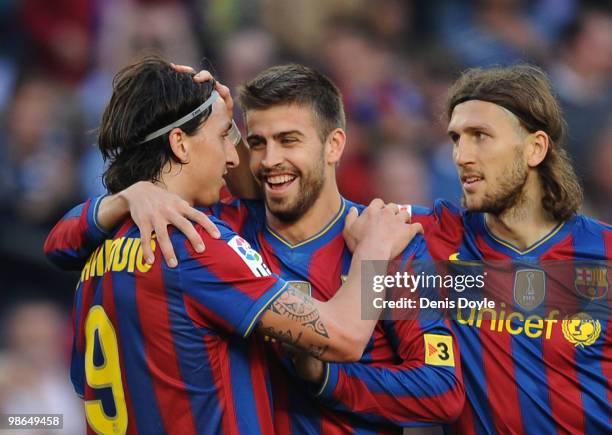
[
  {"x": 298, "y": 307},
  {"x": 286, "y": 337}
]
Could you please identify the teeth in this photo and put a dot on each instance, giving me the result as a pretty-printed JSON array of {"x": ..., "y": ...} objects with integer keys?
[{"x": 280, "y": 179}]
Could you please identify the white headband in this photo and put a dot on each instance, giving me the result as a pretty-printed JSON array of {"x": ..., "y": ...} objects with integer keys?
[{"x": 198, "y": 110}]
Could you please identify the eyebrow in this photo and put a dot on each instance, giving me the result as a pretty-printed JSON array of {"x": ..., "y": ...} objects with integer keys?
[
  {"x": 275, "y": 135},
  {"x": 287, "y": 133},
  {"x": 471, "y": 128}
]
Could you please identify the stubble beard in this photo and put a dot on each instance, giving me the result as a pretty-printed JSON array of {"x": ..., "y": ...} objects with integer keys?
[{"x": 510, "y": 193}]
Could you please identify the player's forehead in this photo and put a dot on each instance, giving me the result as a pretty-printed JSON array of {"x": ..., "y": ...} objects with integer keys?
[
  {"x": 281, "y": 118},
  {"x": 477, "y": 113},
  {"x": 219, "y": 111}
]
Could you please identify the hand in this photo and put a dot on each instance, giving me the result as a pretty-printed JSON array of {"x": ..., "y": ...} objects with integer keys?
[
  {"x": 204, "y": 76},
  {"x": 153, "y": 209},
  {"x": 382, "y": 223},
  {"x": 307, "y": 367}
]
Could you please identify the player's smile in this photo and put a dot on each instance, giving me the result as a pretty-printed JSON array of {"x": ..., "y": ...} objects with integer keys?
[
  {"x": 279, "y": 183},
  {"x": 471, "y": 182}
]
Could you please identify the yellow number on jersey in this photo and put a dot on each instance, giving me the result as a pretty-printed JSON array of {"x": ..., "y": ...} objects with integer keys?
[{"x": 104, "y": 376}]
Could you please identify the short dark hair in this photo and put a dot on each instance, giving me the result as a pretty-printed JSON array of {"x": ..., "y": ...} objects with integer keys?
[
  {"x": 296, "y": 84},
  {"x": 147, "y": 95},
  {"x": 525, "y": 91}
]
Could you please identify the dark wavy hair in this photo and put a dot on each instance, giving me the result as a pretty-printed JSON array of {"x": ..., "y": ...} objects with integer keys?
[
  {"x": 147, "y": 95},
  {"x": 296, "y": 84},
  {"x": 526, "y": 91}
]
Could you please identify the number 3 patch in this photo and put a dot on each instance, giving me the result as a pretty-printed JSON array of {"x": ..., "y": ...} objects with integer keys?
[{"x": 439, "y": 350}]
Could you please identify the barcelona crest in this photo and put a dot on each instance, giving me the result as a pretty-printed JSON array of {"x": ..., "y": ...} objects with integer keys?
[{"x": 591, "y": 281}]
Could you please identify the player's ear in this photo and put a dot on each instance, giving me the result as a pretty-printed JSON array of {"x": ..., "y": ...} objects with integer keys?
[
  {"x": 179, "y": 145},
  {"x": 336, "y": 142},
  {"x": 538, "y": 144}
]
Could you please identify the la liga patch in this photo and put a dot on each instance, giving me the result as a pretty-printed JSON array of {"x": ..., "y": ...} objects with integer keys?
[{"x": 250, "y": 256}]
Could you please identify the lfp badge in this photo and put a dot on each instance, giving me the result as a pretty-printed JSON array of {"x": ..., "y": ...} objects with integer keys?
[{"x": 591, "y": 281}]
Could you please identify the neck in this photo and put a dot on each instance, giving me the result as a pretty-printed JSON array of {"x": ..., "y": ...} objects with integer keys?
[
  {"x": 314, "y": 220},
  {"x": 174, "y": 181},
  {"x": 526, "y": 222}
]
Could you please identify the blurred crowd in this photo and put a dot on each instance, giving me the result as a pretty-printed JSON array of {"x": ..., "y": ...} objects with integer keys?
[{"x": 392, "y": 59}]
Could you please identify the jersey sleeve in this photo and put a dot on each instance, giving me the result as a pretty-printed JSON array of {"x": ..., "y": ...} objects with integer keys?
[
  {"x": 423, "y": 387},
  {"x": 74, "y": 238},
  {"x": 228, "y": 286}
]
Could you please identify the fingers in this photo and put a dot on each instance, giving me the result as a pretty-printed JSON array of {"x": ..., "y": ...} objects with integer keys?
[
  {"x": 182, "y": 68},
  {"x": 204, "y": 221},
  {"x": 225, "y": 93},
  {"x": 393, "y": 207},
  {"x": 404, "y": 216},
  {"x": 377, "y": 203},
  {"x": 203, "y": 76},
  {"x": 145, "y": 242},
  {"x": 351, "y": 217},
  {"x": 163, "y": 240},
  {"x": 416, "y": 228},
  {"x": 187, "y": 228}
]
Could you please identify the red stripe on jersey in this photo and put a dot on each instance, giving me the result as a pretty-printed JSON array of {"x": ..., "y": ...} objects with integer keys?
[
  {"x": 465, "y": 424},
  {"x": 64, "y": 235},
  {"x": 259, "y": 375},
  {"x": 335, "y": 427},
  {"x": 563, "y": 384},
  {"x": 268, "y": 254},
  {"x": 443, "y": 234},
  {"x": 217, "y": 352},
  {"x": 325, "y": 269},
  {"x": 499, "y": 374},
  {"x": 160, "y": 352},
  {"x": 204, "y": 317},
  {"x": 108, "y": 301},
  {"x": 397, "y": 407},
  {"x": 87, "y": 292}
]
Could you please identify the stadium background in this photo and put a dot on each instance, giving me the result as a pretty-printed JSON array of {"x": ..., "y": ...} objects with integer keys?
[{"x": 392, "y": 59}]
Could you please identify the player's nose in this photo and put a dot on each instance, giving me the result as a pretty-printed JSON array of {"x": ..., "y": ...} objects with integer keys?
[
  {"x": 273, "y": 155},
  {"x": 231, "y": 155},
  {"x": 463, "y": 153}
]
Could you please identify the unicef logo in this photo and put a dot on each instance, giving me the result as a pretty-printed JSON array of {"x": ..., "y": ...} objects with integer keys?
[{"x": 581, "y": 329}]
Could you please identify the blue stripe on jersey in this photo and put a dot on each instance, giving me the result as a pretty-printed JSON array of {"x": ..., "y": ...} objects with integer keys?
[
  {"x": 593, "y": 382},
  {"x": 530, "y": 375},
  {"x": 140, "y": 384},
  {"x": 474, "y": 380},
  {"x": 242, "y": 391},
  {"x": 191, "y": 356}
]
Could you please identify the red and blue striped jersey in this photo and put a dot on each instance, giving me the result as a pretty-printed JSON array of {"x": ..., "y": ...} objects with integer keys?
[
  {"x": 530, "y": 373},
  {"x": 161, "y": 350},
  {"x": 390, "y": 387}
]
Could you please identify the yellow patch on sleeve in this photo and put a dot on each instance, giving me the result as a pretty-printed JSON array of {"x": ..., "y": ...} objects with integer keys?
[{"x": 439, "y": 350}]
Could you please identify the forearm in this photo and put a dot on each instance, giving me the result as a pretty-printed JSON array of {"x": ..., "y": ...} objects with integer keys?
[
  {"x": 369, "y": 259},
  {"x": 112, "y": 210}
]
